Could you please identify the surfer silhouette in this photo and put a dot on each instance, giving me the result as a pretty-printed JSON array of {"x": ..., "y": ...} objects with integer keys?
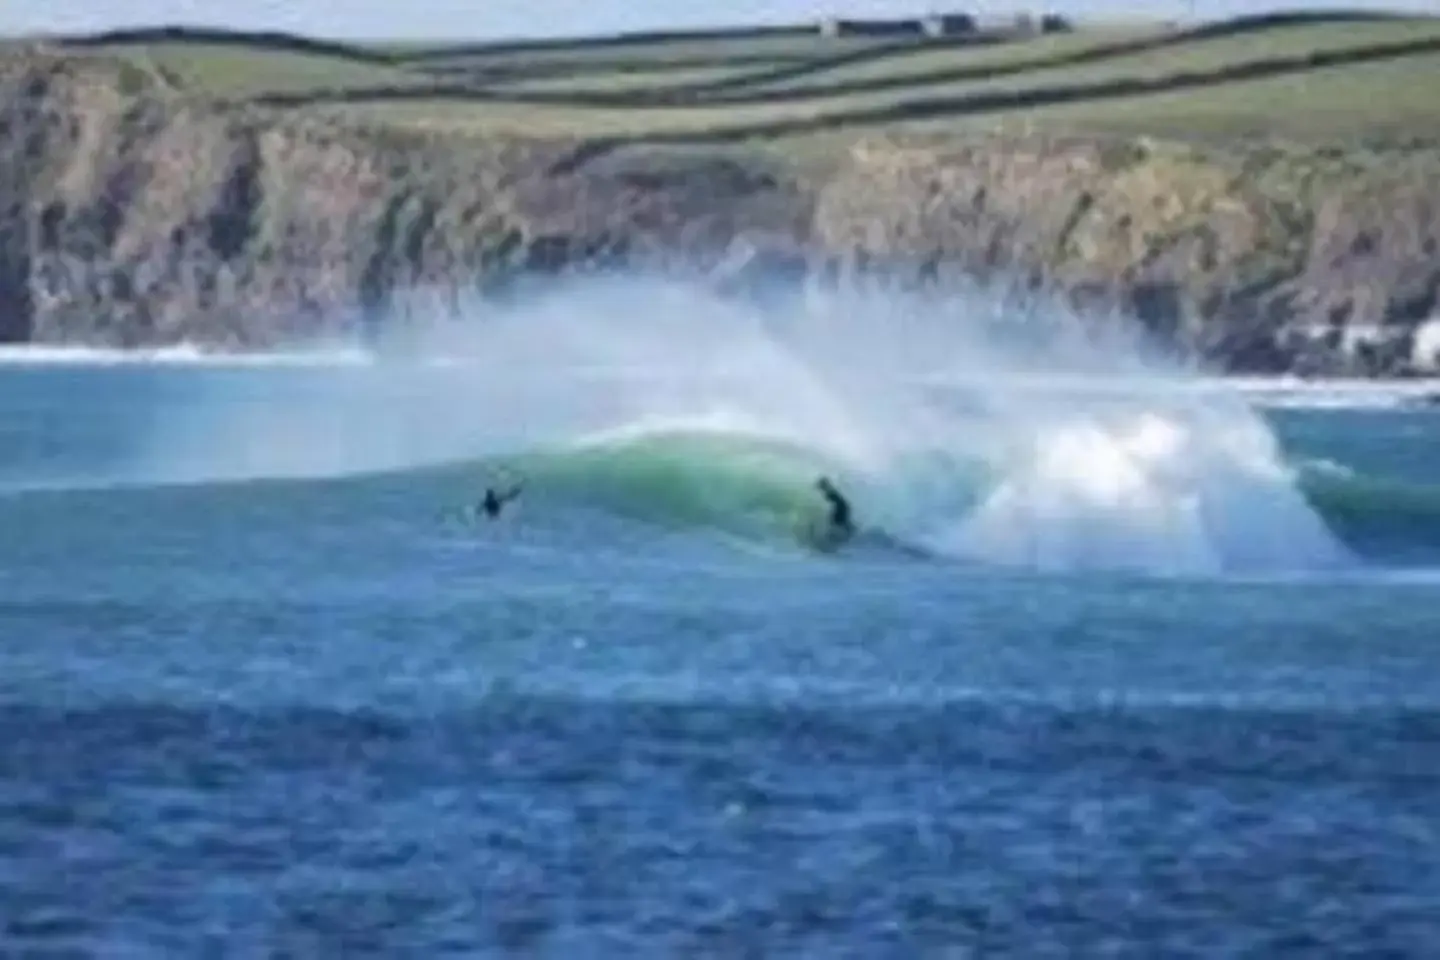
[
  {"x": 492, "y": 503},
  {"x": 840, "y": 518}
]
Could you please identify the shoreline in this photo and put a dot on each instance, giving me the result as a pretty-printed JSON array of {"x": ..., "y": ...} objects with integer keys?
[{"x": 1278, "y": 390}]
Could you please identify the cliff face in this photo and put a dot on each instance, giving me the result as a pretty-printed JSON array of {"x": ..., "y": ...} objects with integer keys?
[
  {"x": 133, "y": 217},
  {"x": 1262, "y": 259}
]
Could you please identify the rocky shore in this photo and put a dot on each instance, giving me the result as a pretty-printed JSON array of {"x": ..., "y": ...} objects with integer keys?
[{"x": 132, "y": 215}]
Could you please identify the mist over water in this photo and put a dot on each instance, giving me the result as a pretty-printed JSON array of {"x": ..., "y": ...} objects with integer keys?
[{"x": 978, "y": 428}]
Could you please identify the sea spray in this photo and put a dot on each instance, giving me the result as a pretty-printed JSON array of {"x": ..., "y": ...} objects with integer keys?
[
  {"x": 1044, "y": 444},
  {"x": 1159, "y": 488}
]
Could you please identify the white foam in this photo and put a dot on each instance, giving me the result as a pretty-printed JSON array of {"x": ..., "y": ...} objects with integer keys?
[
  {"x": 1173, "y": 492},
  {"x": 28, "y": 355},
  {"x": 1270, "y": 392},
  {"x": 1335, "y": 393}
]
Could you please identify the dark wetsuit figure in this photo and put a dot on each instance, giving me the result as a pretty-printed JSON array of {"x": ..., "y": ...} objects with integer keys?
[
  {"x": 494, "y": 502},
  {"x": 840, "y": 518}
]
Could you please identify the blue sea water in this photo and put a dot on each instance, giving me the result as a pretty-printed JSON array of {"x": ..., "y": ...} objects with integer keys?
[{"x": 265, "y": 690}]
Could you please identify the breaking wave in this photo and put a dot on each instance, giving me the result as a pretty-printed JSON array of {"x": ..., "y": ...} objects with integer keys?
[{"x": 653, "y": 402}]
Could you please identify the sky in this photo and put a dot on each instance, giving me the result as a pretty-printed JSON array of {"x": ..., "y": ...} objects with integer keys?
[{"x": 490, "y": 19}]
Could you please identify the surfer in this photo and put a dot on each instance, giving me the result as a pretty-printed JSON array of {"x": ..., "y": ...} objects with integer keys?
[
  {"x": 840, "y": 519},
  {"x": 492, "y": 503}
]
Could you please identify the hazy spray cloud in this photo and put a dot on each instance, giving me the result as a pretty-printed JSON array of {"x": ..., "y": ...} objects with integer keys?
[{"x": 1076, "y": 449}]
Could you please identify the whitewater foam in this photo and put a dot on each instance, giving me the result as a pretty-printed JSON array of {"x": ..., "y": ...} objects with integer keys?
[
  {"x": 1335, "y": 393},
  {"x": 1171, "y": 492},
  {"x": 30, "y": 355},
  {"x": 1260, "y": 391}
]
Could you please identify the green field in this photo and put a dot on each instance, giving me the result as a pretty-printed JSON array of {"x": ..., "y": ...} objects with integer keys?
[{"x": 1315, "y": 77}]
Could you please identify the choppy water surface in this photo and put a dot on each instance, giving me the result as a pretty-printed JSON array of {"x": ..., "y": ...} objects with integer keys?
[{"x": 1130, "y": 677}]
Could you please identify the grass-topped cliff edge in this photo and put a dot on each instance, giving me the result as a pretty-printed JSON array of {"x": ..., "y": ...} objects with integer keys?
[{"x": 1266, "y": 191}]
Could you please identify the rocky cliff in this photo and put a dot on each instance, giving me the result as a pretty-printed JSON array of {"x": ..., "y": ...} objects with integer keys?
[{"x": 135, "y": 216}]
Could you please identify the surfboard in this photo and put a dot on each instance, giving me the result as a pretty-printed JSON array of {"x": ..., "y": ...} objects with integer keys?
[{"x": 821, "y": 537}]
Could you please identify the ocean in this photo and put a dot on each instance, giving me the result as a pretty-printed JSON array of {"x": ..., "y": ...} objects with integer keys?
[{"x": 1144, "y": 667}]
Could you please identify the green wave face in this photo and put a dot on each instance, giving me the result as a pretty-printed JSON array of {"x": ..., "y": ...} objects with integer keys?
[
  {"x": 743, "y": 485},
  {"x": 1372, "y": 515},
  {"x": 758, "y": 488}
]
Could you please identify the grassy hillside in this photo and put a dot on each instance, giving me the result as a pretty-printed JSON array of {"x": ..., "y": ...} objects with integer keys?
[{"x": 1303, "y": 77}]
